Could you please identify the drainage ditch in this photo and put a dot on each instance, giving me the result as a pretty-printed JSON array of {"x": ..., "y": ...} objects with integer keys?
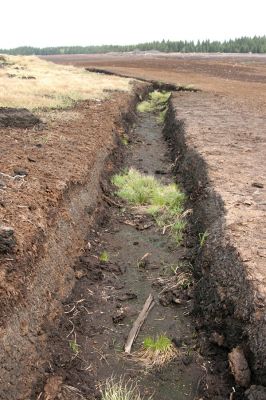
[{"x": 128, "y": 257}]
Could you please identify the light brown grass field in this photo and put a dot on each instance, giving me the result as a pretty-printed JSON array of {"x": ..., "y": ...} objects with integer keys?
[{"x": 27, "y": 81}]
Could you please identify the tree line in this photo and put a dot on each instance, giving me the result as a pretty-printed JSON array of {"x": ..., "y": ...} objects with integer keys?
[{"x": 256, "y": 44}]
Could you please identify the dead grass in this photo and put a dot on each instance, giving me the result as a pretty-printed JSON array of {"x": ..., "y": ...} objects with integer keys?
[
  {"x": 120, "y": 389},
  {"x": 156, "y": 352},
  {"x": 27, "y": 81}
]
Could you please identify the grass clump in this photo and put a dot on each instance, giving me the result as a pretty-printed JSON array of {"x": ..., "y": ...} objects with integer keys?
[
  {"x": 164, "y": 202},
  {"x": 156, "y": 352},
  {"x": 104, "y": 257},
  {"x": 161, "y": 344},
  {"x": 157, "y": 103},
  {"x": 120, "y": 390}
]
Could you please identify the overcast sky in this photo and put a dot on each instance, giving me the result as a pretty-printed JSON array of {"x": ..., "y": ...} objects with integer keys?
[{"x": 83, "y": 22}]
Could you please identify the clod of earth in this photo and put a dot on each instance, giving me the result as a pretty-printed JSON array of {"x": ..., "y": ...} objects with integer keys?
[
  {"x": 53, "y": 387},
  {"x": 17, "y": 118},
  {"x": 7, "y": 239},
  {"x": 239, "y": 367},
  {"x": 20, "y": 172}
]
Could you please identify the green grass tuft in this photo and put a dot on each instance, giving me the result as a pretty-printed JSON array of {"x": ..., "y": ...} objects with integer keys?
[
  {"x": 161, "y": 344},
  {"x": 164, "y": 202},
  {"x": 104, "y": 256},
  {"x": 156, "y": 352},
  {"x": 157, "y": 103}
]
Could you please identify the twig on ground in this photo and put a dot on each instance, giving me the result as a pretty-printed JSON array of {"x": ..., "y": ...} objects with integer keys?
[{"x": 149, "y": 303}]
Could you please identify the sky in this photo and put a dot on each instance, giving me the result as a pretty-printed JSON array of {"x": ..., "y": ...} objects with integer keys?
[{"x": 43, "y": 23}]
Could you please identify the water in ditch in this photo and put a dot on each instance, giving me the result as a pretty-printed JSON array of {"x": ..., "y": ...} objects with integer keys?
[{"x": 87, "y": 348}]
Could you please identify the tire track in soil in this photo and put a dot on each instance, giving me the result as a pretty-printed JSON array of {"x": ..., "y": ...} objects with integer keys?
[{"x": 87, "y": 347}]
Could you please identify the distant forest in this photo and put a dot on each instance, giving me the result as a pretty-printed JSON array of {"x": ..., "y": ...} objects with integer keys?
[{"x": 257, "y": 44}]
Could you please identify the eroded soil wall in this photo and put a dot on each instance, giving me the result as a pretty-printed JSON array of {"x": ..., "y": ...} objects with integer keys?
[
  {"x": 39, "y": 300},
  {"x": 229, "y": 298}
]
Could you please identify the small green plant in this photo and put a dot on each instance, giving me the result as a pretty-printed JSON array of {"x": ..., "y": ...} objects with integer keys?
[
  {"x": 124, "y": 140},
  {"x": 164, "y": 202},
  {"x": 120, "y": 389},
  {"x": 156, "y": 352},
  {"x": 74, "y": 346},
  {"x": 202, "y": 238},
  {"x": 104, "y": 257}
]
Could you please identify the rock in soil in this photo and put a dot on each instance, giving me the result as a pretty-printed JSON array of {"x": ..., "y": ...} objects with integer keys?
[{"x": 239, "y": 367}]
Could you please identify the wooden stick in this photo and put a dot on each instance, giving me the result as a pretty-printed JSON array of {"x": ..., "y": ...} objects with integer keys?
[{"x": 149, "y": 303}]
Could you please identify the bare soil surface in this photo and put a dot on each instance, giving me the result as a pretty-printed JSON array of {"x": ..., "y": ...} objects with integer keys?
[{"x": 230, "y": 185}]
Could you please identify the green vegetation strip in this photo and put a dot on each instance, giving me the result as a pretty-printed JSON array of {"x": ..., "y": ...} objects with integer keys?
[
  {"x": 245, "y": 44},
  {"x": 164, "y": 202}
]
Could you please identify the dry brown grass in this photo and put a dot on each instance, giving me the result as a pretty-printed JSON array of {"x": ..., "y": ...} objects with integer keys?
[
  {"x": 156, "y": 352},
  {"x": 27, "y": 81}
]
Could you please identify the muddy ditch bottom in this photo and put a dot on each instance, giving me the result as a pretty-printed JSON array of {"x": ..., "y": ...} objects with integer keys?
[{"x": 88, "y": 346}]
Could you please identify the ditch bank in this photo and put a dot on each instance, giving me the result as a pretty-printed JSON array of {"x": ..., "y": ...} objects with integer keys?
[
  {"x": 156, "y": 85},
  {"x": 37, "y": 270},
  {"x": 230, "y": 296}
]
